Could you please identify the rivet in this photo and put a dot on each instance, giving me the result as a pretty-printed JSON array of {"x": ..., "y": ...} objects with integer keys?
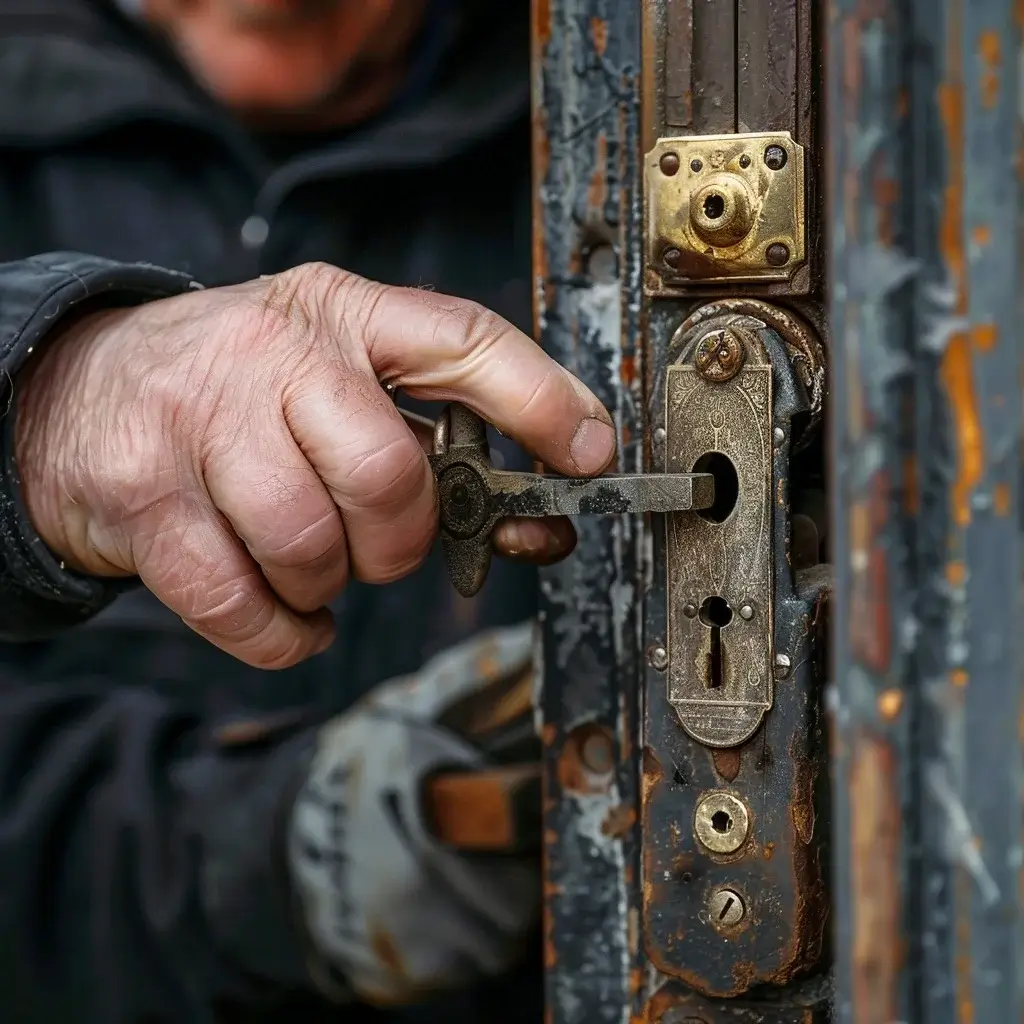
[
  {"x": 658, "y": 657},
  {"x": 690, "y": 610},
  {"x": 696, "y": 165},
  {"x": 597, "y": 752},
  {"x": 775, "y": 158},
  {"x": 777, "y": 254},
  {"x": 746, "y": 611},
  {"x": 659, "y": 435},
  {"x": 669, "y": 164},
  {"x": 782, "y": 666},
  {"x": 721, "y": 822},
  {"x": 726, "y": 908},
  {"x": 744, "y": 160},
  {"x": 779, "y": 435},
  {"x": 672, "y": 257}
]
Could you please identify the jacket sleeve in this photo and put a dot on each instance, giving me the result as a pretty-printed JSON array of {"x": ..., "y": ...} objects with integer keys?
[
  {"x": 142, "y": 856},
  {"x": 38, "y": 596}
]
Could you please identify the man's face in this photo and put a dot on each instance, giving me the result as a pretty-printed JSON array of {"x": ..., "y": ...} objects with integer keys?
[{"x": 277, "y": 59}]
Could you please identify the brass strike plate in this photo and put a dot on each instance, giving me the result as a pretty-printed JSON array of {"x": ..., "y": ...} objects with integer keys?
[{"x": 721, "y": 208}]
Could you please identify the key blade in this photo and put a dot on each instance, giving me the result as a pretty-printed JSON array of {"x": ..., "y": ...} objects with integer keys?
[{"x": 528, "y": 494}]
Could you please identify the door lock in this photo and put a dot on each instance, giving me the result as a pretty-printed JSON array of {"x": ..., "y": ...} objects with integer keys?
[{"x": 474, "y": 496}]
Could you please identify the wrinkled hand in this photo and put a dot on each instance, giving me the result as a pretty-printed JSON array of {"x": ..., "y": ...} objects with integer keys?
[
  {"x": 393, "y": 912},
  {"x": 234, "y": 447}
]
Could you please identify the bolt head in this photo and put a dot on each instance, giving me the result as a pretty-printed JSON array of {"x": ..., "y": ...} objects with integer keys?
[
  {"x": 777, "y": 254},
  {"x": 658, "y": 657},
  {"x": 721, "y": 822},
  {"x": 672, "y": 257},
  {"x": 669, "y": 164},
  {"x": 719, "y": 355},
  {"x": 782, "y": 666},
  {"x": 775, "y": 158},
  {"x": 726, "y": 908},
  {"x": 746, "y": 611},
  {"x": 696, "y": 165}
]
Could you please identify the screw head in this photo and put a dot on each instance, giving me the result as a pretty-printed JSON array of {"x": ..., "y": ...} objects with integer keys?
[
  {"x": 660, "y": 435},
  {"x": 778, "y": 435},
  {"x": 744, "y": 160},
  {"x": 726, "y": 908},
  {"x": 777, "y": 254},
  {"x": 746, "y": 611},
  {"x": 719, "y": 355},
  {"x": 690, "y": 610},
  {"x": 669, "y": 163},
  {"x": 658, "y": 657},
  {"x": 775, "y": 158},
  {"x": 672, "y": 257},
  {"x": 696, "y": 165},
  {"x": 721, "y": 822},
  {"x": 782, "y": 666}
]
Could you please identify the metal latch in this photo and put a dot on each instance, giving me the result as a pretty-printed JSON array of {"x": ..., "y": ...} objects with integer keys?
[
  {"x": 723, "y": 208},
  {"x": 473, "y": 496}
]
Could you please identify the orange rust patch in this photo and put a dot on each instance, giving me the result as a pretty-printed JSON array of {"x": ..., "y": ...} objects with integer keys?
[
  {"x": 984, "y": 336},
  {"x": 618, "y": 821},
  {"x": 981, "y": 234},
  {"x": 573, "y": 773},
  {"x": 769, "y": 851},
  {"x": 958, "y": 379},
  {"x": 387, "y": 953},
  {"x": 956, "y": 574},
  {"x": 890, "y": 704},
  {"x": 627, "y": 370},
  {"x": 1001, "y": 499},
  {"x": 886, "y": 193},
  {"x": 599, "y": 33},
  {"x": 542, "y": 20},
  {"x": 871, "y": 630},
  {"x": 911, "y": 491},
  {"x": 727, "y": 763},
  {"x": 597, "y": 194},
  {"x": 875, "y": 824},
  {"x": 990, "y": 52},
  {"x": 958, "y": 677}
]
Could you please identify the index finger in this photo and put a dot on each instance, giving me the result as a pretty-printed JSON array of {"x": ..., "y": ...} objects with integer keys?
[{"x": 438, "y": 347}]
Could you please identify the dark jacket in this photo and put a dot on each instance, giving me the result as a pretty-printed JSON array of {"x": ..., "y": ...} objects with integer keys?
[{"x": 122, "y": 792}]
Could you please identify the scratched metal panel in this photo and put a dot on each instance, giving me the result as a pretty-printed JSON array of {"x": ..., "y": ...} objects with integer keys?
[
  {"x": 968, "y": 396},
  {"x": 586, "y": 60},
  {"x": 926, "y": 449},
  {"x": 873, "y": 599}
]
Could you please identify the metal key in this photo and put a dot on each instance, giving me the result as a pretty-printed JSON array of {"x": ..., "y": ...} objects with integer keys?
[{"x": 474, "y": 495}]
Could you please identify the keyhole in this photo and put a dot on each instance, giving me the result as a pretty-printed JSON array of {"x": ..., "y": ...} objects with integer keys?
[{"x": 716, "y": 614}]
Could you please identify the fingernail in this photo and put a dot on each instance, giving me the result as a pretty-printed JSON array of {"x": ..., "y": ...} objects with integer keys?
[{"x": 592, "y": 446}]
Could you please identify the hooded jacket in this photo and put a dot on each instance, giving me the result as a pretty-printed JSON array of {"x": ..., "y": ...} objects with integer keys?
[{"x": 139, "y": 823}]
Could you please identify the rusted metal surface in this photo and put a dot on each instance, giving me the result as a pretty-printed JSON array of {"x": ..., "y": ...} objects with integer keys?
[
  {"x": 967, "y": 377},
  {"x": 873, "y": 600},
  {"x": 926, "y": 449},
  {"x": 587, "y": 266},
  {"x": 779, "y": 871}
]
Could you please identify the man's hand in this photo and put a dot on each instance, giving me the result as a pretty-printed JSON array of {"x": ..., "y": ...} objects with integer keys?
[{"x": 234, "y": 448}]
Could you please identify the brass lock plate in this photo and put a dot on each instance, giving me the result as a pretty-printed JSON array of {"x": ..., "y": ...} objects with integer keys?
[
  {"x": 723, "y": 208},
  {"x": 719, "y": 419}
]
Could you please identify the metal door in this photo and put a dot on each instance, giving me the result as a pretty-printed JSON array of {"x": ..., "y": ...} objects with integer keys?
[{"x": 738, "y": 201}]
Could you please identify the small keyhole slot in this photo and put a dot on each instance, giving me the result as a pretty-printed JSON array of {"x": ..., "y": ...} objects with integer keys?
[
  {"x": 714, "y": 206},
  {"x": 716, "y": 614},
  {"x": 721, "y": 822}
]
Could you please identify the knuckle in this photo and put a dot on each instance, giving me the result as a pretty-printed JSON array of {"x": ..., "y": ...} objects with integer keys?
[
  {"x": 295, "y": 300},
  {"x": 467, "y": 330},
  {"x": 390, "y": 475},
  {"x": 235, "y": 611},
  {"x": 316, "y": 546},
  {"x": 397, "y": 569}
]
